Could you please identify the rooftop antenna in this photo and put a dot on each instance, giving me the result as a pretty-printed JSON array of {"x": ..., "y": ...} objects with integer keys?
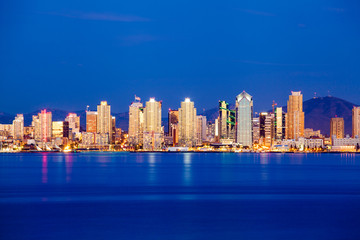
[{"x": 87, "y": 108}]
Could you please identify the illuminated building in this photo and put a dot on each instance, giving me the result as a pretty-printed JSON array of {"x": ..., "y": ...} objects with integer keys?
[
  {"x": 153, "y": 132},
  {"x": 200, "y": 129},
  {"x": 337, "y": 127},
  {"x": 256, "y": 130},
  {"x": 244, "y": 116},
  {"x": 91, "y": 120},
  {"x": 310, "y": 133},
  {"x": 18, "y": 127},
  {"x": 187, "y": 123},
  {"x": 210, "y": 132},
  {"x": 279, "y": 123},
  {"x": 6, "y": 130},
  {"x": 74, "y": 122},
  {"x": 88, "y": 138},
  {"x": 227, "y": 122},
  {"x": 295, "y": 116},
  {"x": 136, "y": 122},
  {"x": 104, "y": 121},
  {"x": 173, "y": 119},
  {"x": 42, "y": 124},
  {"x": 262, "y": 118},
  {"x": 356, "y": 122},
  {"x": 29, "y": 132},
  {"x": 345, "y": 144},
  {"x": 269, "y": 130},
  {"x": 57, "y": 129}
]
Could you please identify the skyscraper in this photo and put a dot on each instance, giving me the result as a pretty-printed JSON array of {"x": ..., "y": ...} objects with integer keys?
[
  {"x": 337, "y": 127},
  {"x": 187, "y": 123},
  {"x": 173, "y": 119},
  {"x": 104, "y": 120},
  {"x": 18, "y": 127},
  {"x": 136, "y": 122},
  {"x": 269, "y": 130},
  {"x": 227, "y": 121},
  {"x": 201, "y": 127},
  {"x": 74, "y": 122},
  {"x": 153, "y": 132},
  {"x": 244, "y": 116},
  {"x": 91, "y": 120},
  {"x": 43, "y": 126},
  {"x": 295, "y": 116},
  {"x": 356, "y": 122},
  {"x": 279, "y": 123}
]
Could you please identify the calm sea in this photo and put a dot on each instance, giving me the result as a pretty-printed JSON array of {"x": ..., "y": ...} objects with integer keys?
[{"x": 174, "y": 196}]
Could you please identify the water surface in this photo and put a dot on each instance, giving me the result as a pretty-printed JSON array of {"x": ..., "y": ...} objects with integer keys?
[{"x": 179, "y": 196}]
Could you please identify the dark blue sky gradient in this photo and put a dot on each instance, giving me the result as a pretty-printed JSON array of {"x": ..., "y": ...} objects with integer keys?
[{"x": 68, "y": 54}]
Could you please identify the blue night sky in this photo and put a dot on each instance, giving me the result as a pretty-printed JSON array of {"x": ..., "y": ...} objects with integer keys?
[{"x": 68, "y": 54}]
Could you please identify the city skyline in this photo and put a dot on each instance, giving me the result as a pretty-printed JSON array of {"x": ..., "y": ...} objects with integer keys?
[{"x": 67, "y": 48}]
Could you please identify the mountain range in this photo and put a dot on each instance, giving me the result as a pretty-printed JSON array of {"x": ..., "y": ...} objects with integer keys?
[{"x": 318, "y": 112}]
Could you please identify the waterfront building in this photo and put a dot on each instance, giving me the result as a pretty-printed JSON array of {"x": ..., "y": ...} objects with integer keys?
[
  {"x": 200, "y": 129},
  {"x": 279, "y": 123},
  {"x": 173, "y": 123},
  {"x": 295, "y": 117},
  {"x": 74, "y": 122},
  {"x": 102, "y": 139},
  {"x": 57, "y": 129},
  {"x": 136, "y": 122},
  {"x": 337, "y": 127},
  {"x": 244, "y": 116},
  {"x": 153, "y": 132},
  {"x": 187, "y": 123},
  {"x": 18, "y": 127},
  {"x": 309, "y": 133},
  {"x": 6, "y": 130},
  {"x": 256, "y": 130},
  {"x": 42, "y": 124},
  {"x": 269, "y": 130},
  {"x": 88, "y": 138},
  {"x": 227, "y": 122},
  {"x": 91, "y": 121},
  {"x": 345, "y": 144},
  {"x": 356, "y": 122},
  {"x": 104, "y": 121}
]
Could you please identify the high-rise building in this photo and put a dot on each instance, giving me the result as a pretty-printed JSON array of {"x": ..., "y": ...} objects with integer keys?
[
  {"x": 187, "y": 123},
  {"x": 18, "y": 127},
  {"x": 295, "y": 117},
  {"x": 244, "y": 117},
  {"x": 74, "y": 122},
  {"x": 173, "y": 119},
  {"x": 356, "y": 122},
  {"x": 279, "y": 123},
  {"x": 91, "y": 121},
  {"x": 43, "y": 126},
  {"x": 337, "y": 127},
  {"x": 227, "y": 122},
  {"x": 262, "y": 118},
  {"x": 201, "y": 126},
  {"x": 256, "y": 130},
  {"x": 153, "y": 132},
  {"x": 269, "y": 130},
  {"x": 104, "y": 121},
  {"x": 136, "y": 122}
]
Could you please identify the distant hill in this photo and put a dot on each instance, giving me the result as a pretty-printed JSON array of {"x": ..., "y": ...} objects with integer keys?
[{"x": 318, "y": 112}]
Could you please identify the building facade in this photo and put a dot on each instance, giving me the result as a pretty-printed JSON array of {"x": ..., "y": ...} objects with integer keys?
[
  {"x": 104, "y": 120},
  {"x": 244, "y": 116},
  {"x": 356, "y": 122},
  {"x": 91, "y": 121},
  {"x": 337, "y": 127},
  {"x": 295, "y": 118},
  {"x": 187, "y": 123},
  {"x": 153, "y": 132},
  {"x": 18, "y": 127}
]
